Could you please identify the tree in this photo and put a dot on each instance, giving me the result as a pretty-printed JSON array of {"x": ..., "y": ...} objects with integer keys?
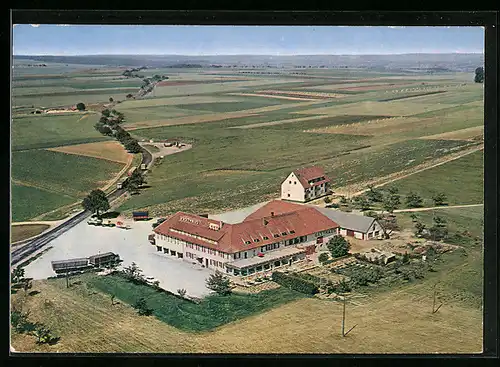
[
  {"x": 129, "y": 96},
  {"x": 338, "y": 246},
  {"x": 361, "y": 202},
  {"x": 111, "y": 99},
  {"x": 17, "y": 275},
  {"x": 391, "y": 202},
  {"x": 132, "y": 146},
  {"x": 439, "y": 230},
  {"x": 393, "y": 190},
  {"x": 106, "y": 113},
  {"x": 219, "y": 283},
  {"x": 181, "y": 292},
  {"x": 133, "y": 272},
  {"x": 323, "y": 257},
  {"x": 80, "y": 106},
  {"x": 374, "y": 194},
  {"x": 103, "y": 120},
  {"x": 439, "y": 199},
  {"x": 327, "y": 200},
  {"x": 389, "y": 224},
  {"x": 479, "y": 75},
  {"x": 413, "y": 200},
  {"x": 43, "y": 334},
  {"x": 96, "y": 202},
  {"x": 414, "y": 217},
  {"x": 419, "y": 228},
  {"x": 142, "y": 307},
  {"x": 105, "y": 130}
]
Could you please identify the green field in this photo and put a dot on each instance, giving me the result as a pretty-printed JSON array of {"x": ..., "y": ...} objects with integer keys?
[
  {"x": 461, "y": 180},
  {"x": 28, "y": 202},
  {"x": 212, "y": 312},
  {"x": 62, "y": 173},
  {"x": 47, "y": 131}
]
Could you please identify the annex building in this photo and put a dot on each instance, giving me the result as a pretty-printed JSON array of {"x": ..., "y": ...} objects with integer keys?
[{"x": 305, "y": 184}]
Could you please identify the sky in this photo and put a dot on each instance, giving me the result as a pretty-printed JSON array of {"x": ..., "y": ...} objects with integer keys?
[{"x": 45, "y": 39}]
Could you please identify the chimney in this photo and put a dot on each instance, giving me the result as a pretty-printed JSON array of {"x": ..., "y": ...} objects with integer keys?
[
  {"x": 220, "y": 224},
  {"x": 265, "y": 222},
  {"x": 272, "y": 214}
]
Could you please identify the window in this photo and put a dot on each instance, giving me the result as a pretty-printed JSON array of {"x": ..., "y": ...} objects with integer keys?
[
  {"x": 288, "y": 195},
  {"x": 246, "y": 255},
  {"x": 292, "y": 231},
  {"x": 276, "y": 235},
  {"x": 266, "y": 266},
  {"x": 263, "y": 248},
  {"x": 295, "y": 182},
  {"x": 283, "y": 233},
  {"x": 290, "y": 182},
  {"x": 256, "y": 240},
  {"x": 247, "y": 242},
  {"x": 259, "y": 268},
  {"x": 253, "y": 252},
  {"x": 234, "y": 256},
  {"x": 236, "y": 272},
  {"x": 265, "y": 238}
]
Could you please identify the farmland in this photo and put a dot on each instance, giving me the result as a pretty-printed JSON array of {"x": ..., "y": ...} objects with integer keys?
[
  {"x": 25, "y": 231},
  {"x": 357, "y": 124}
]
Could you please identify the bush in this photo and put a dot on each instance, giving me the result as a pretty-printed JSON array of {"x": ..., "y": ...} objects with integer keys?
[
  {"x": 327, "y": 200},
  {"x": 142, "y": 308},
  {"x": 413, "y": 200},
  {"x": 80, "y": 106},
  {"x": 219, "y": 283},
  {"x": 323, "y": 257},
  {"x": 295, "y": 283}
]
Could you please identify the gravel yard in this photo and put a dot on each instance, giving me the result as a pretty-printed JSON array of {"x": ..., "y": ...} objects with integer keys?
[{"x": 132, "y": 245}]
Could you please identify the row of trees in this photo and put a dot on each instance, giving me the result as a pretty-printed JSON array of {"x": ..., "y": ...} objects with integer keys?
[
  {"x": 109, "y": 124},
  {"x": 436, "y": 231}
]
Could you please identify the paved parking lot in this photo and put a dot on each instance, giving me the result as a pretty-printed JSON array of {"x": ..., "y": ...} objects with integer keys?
[{"x": 132, "y": 245}]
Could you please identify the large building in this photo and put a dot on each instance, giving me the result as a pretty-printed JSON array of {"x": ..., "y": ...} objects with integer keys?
[
  {"x": 275, "y": 235},
  {"x": 305, "y": 184}
]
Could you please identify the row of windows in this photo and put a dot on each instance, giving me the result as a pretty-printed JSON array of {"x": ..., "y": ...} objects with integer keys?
[
  {"x": 194, "y": 236},
  {"x": 206, "y": 250},
  {"x": 270, "y": 247},
  {"x": 216, "y": 263},
  {"x": 276, "y": 235}
]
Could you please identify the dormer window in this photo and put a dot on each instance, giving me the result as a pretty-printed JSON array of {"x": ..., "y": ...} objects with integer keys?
[
  {"x": 292, "y": 231},
  {"x": 247, "y": 242},
  {"x": 276, "y": 235},
  {"x": 265, "y": 238},
  {"x": 256, "y": 240},
  {"x": 283, "y": 233}
]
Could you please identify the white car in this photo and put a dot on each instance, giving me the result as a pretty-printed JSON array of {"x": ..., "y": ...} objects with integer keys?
[{"x": 150, "y": 280}]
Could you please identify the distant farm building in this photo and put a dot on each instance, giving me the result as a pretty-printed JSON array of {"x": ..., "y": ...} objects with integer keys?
[
  {"x": 104, "y": 259},
  {"x": 84, "y": 263},
  {"x": 305, "y": 184}
]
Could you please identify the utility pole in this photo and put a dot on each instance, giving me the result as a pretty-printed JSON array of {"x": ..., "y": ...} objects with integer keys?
[
  {"x": 434, "y": 309},
  {"x": 67, "y": 276},
  {"x": 344, "y": 333}
]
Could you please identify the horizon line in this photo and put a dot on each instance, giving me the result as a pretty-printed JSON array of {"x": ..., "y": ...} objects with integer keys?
[{"x": 319, "y": 54}]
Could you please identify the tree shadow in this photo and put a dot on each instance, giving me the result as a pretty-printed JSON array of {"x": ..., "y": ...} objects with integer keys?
[
  {"x": 33, "y": 293},
  {"x": 113, "y": 214},
  {"x": 54, "y": 340}
]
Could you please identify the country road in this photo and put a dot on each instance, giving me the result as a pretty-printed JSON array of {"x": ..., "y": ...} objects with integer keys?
[{"x": 436, "y": 207}]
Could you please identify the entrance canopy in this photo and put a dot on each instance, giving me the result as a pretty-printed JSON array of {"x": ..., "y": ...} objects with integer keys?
[{"x": 268, "y": 257}]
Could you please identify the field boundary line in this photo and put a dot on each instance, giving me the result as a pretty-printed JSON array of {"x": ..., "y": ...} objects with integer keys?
[
  {"x": 119, "y": 174},
  {"x": 436, "y": 207},
  {"x": 29, "y": 184},
  {"x": 417, "y": 169}
]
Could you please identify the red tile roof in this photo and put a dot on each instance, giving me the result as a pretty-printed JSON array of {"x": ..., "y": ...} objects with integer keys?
[
  {"x": 307, "y": 174},
  {"x": 233, "y": 238}
]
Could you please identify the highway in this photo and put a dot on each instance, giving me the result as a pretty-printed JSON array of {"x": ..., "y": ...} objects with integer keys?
[{"x": 36, "y": 244}]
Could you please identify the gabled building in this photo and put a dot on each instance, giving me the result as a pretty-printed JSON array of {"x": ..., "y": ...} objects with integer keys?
[
  {"x": 305, "y": 184},
  {"x": 354, "y": 225},
  {"x": 265, "y": 240}
]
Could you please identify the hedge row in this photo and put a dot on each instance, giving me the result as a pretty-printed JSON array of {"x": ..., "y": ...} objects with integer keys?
[{"x": 295, "y": 283}]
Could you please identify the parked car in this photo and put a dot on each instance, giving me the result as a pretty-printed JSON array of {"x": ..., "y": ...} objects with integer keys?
[
  {"x": 150, "y": 280},
  {"x": 94, "y": 221}
]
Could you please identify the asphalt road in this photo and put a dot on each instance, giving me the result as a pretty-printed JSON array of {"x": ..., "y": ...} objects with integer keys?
[{"x": 36, "y": 244}]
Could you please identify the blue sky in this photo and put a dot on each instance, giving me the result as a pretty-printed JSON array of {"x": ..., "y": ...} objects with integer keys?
[{"x": 44, "y": 39}]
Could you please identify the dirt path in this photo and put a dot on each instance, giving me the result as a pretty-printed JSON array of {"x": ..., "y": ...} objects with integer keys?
[
  {"x": 130, "y": 159},
  {"x": 163, "y": 150},
  {"x": 405, "y": 173},
  {"x": 436, "y": 207}
]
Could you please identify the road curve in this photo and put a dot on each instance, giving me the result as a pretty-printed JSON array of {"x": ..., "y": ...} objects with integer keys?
[{"x": 37, "y": 243}]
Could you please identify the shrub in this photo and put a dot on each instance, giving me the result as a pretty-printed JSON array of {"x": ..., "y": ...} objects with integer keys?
[
  {"x": 80, "y": 106},
  {"x": 295, "y": 283},
  {"x": 219, "y": 283},
  {"x": 343, "y": 287},
  {"x": 413, "y": 200},
  {"x": 327, "y": 200},
  {"x": 323, "y": 257},
  {"x": 142, "y": 308},
  {"x": 182, "y": 292}
]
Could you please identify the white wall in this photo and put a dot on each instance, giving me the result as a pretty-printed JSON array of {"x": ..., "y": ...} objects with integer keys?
[
  {"x": 170, "y": 243},
  {"x": 294, "y": 189},
  {"x": 374, "y": 228}
]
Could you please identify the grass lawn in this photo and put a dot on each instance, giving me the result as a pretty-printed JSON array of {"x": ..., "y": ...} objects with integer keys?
[
  {"x": 212, "y": 312},
  {"x": 151, "y": 148},
  {"x": 22, "y": 232},
  {"x": 461, "y": 180},
  {"x": 28, "y": 202},
  {"x": 48, "y": 131},
  {"x": 62, "y": 173}
]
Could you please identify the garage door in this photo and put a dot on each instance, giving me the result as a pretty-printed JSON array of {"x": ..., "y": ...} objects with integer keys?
[{"x": 350, "y": 233}]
